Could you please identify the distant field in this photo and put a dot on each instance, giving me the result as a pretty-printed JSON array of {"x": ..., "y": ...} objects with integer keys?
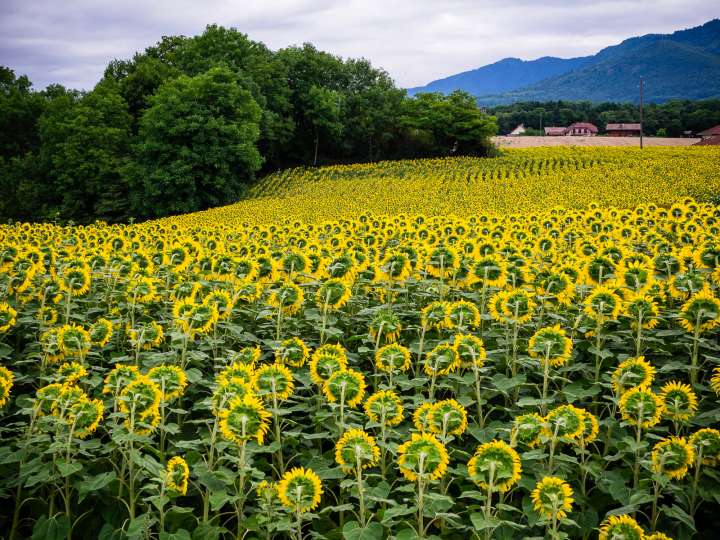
[{"x": 530, "y": 142}]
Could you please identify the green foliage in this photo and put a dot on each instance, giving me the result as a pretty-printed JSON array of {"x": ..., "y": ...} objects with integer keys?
[{"x": 196, "y": 145}]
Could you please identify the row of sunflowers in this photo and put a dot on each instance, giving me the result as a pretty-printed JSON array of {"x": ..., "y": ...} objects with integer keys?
[{"x": 408, "y": 376}]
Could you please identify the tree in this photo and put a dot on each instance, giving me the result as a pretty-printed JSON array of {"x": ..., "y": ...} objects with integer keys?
[
  {"x": 196, "y": 145},
  {"x": 84, "y": 145},
  {"x": 323, "y": 112}
]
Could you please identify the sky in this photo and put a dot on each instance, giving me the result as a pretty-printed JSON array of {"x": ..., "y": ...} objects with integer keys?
[{"x": 416, "y": 41}]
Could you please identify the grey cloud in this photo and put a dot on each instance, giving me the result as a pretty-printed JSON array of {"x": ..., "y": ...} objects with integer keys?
[{"x": 414, "y": 40}]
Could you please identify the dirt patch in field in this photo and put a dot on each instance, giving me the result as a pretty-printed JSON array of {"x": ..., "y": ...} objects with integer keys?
[{"x": 529, "y": 142}]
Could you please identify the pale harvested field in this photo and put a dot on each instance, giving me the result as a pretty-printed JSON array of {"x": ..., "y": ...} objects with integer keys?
[{"x": 529, "y": 142}]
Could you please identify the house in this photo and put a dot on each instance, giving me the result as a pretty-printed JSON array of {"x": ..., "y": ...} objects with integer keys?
[
  {"x": 585, "y": 129},
  {"x": 554, "y": 131},
  {"x": 623, "y": 130},
  {"x": 712, "y": 132},
  {"x": 713, "y": 140},
  {"x": 518, "y": 130}
]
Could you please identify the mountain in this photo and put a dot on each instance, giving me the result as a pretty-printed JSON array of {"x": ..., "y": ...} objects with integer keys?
[
  {"x": 681, "y": 65},
  {"x": 503, "y": 76}
]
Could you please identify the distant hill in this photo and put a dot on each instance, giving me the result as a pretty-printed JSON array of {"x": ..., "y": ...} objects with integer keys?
[{"x": 681, "y": 65}]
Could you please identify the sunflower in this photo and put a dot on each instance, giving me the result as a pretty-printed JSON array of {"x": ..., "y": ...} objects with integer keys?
[
  {"x": 141, "y": 290},
  {"x": 101, "y": 332},
  {"x": 623, "y": 526},
  {"x": 140, "y": 400},
  {"x": 248, "y": 356},
  {"x": 69, "y": 372},
  {"x": 565, "y": 422},
  {"x": 73, "y": 340},
  {"x": 236, "y": 371},
  {"x": 517, "y": 306},
  {"x": 672, "y": 457},
  {"x": 170, "y": 379},
  {"x": 244, "y": 418},
  {"x": 227, "y": 390},
  {"x": 177, "y": 474},
  {"x": 657, "y": 536},
  {"x": 385, "y": 326},
  {"x": 603, "y": 304},
  {"x": 420, "y": 417},
  {"x": 680, "y": 402},
  {"x": 700, "y": 313},
  {"x": 706, "y": 443},
  {"x": 463, "y": 315},
  {"x": 488, "y": 271},
  {"x": 222, "y": 301},
  {"x": 424, "y": 457},
  {"x": 552, "y": 498},
  {"x": 527, "y": 429},
  {"x": 551, "y": 345},
  {"x": 146, "y": 335},
  {"x": 495, "y": 466},
  {"x": 356, "y": 448},
  {"x": 347, "y": 385},
  {"x": 395, "y": 266},
  {"x": 633, "y": 372},
  {"x": 6, "y": 384},
  {"x": 470, "y": 350},
  {"x": 119, "y": 377},
  {"x": 640, "y": 405},
  {"x": 392, "y": 358},
  {"x": 385, "y": 408},
  {"x": 247, "y": 292},
  {"x": 323, "y": 365},
  {"x": 293, "y": 352},
  {"x": 447, "y": 417},
  {"x": 273, "y": 382},
  {"x": 85, "y": 414},
  {"x": 8, "y": 317},
  {"x": 75, "y": 279},
  {"x": 333, "y": 294},
  {"x": 642, "y": 309},
  {"x": 287, "y": 297},
  {"x": 300, "y": 490},
  {"x": 715, "y": 380},
  {"x": 590, "y": 430},
  {"x": 442, "y": 360},
  {"x": 442, "y": 262},
  {"x": 435, "y": 315}
]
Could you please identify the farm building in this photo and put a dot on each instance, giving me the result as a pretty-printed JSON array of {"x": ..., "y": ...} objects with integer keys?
[
  {"x": 582, "y": 128},
  {"x": 554, "y": 131},
  {"x": 518, "y": 130},
  {"x": 712, "y": 132},
  {"x": 713, "y": 140},
  {"x": 623, "y": 130}
]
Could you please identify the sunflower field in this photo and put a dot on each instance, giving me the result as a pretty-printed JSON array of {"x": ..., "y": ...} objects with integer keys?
[{"x": 528, "y": 348}]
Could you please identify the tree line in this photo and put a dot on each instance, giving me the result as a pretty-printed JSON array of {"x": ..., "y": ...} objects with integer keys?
[
  {"x": 191, "y": 122},
  {"x": 669, "y": 119}
]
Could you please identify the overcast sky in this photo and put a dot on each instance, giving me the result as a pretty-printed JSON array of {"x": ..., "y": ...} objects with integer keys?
[{"x": 416, "y": 41}]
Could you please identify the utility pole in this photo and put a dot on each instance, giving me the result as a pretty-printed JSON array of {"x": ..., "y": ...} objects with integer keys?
[{"x": 642, "y": 83}]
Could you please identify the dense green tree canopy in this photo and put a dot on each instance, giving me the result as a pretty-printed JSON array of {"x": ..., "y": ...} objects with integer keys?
[
  {"x": 196, "y": 144},
  {"x": 189, "y": 123}
]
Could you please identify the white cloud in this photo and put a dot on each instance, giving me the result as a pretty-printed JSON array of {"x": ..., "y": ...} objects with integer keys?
[{"x": 414, "y": 40}]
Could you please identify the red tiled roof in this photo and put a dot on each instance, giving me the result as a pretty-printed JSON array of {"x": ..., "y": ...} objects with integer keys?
[
  {"x": 715, "y": 130},
  {"x": 586, "y": 125},
  {"x": 622, "y": 127},
  {"x": 713, "y": 140}
]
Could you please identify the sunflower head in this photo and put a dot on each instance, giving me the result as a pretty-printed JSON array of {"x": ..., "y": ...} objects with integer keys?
[
  {"x": 552, "y": 498},
  {"x": 287, "y": 297},
  {"x": 244, "y": 418},
  {"x": 633, "y": 372},
  {"x": 170, "y": 379},
  {"x": 73, "y": 340},
  {"x": 442, "y": 360},
  {"x": 706, "y": 443},
  {"x": 640, "y": 405},
  {"x": 292, "y": 352},
  {"x": 672, "y": 457},
  {"x": 423, "y": 456},
  {"x": 347, "y": 385},
  {"x": 622, "y": 526},
  {"x": 603, "y": 304},
  {"x": 550, "y": 345},
  {"x": 565, "y": 422},
  {"x": 517, "y": 306},
  {"x": 334, "y": 293},
  {"x": 385, "y": 408},
  {"x": 385, "y": 326},
  {"x": 356, "y": 449},
  {"x": 300, "y": 490},
  {"x": 527, "y": 429},
  {"x": 463, "y": 315},
  {"x": 495, "y": 466},
  {"x": 273, "y": 382},
  {"x": 177, "y": 474},
  {"x": 679, "y": 400},
  {"x": 447, "y": 417},
  {"x": 86, "y": 415},
  {"x": 392, "y": 358}
]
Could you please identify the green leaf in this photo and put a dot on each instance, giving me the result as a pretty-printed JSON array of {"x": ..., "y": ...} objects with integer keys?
[
  {"x": 94, "y": 483},
  {"x": 67, "y": 469},
  {"x": 372, "y": 531}
]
